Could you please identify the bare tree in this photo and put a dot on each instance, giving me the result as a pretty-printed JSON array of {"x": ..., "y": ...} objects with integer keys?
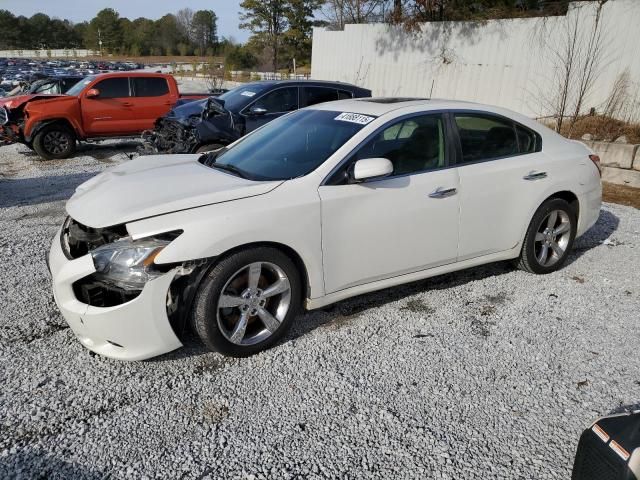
[
  {"x": 578, "y": 56},
  {"x": 591, "y": 62},
  {"x": 185, "y": 21},
  {"x": 567, "y": 56},
  {"x": 618, "y": 97},
  {"x": 340, "y": 12}
]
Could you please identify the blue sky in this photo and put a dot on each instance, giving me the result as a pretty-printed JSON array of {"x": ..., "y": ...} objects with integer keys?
[{"x": 77, "y": 11}]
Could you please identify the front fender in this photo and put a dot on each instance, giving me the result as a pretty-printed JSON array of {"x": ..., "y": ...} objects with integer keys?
[{"x": 213, "y": 230}]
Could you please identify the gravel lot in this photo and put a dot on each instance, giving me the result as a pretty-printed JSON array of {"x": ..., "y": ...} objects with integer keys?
[{"x": 488, "y": 373}]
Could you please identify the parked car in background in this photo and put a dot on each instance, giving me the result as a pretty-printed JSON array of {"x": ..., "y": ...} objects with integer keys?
[
  {"x": 328, "y": 202},
  {"x": 42, "y": 86},
  {"x": 217, "y": 121},
  {"x": 110, "y": 105},
  {"x": 58, "y": 84}
]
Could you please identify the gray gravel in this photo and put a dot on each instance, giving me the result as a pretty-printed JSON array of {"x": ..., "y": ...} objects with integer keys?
[{"x": 488, "y": 373}]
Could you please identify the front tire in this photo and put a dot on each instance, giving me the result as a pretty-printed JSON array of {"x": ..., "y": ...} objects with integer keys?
[
  {"x": 55, "y": 142},
  {"x": 549, "y": 238},
  {"x": 247, "y": 301}
]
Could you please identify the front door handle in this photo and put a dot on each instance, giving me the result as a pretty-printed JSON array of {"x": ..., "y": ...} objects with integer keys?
[
  {"x": 533, "y": 175},
  {"x": 127, "y": 104},
  {"x": 443, "y": 192}
]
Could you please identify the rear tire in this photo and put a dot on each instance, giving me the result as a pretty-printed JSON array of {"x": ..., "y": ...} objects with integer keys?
[
  {"x": 549, "y": 238},
  {"x": 247, "y": 301},
  {"x": 55, "y": 142}
]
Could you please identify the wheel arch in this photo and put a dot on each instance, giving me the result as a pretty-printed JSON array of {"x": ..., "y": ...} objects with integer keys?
[
  {"x": 37, "y": 128},
  {"x": 287, "y": 250},
  {"x": 186, "y": 290},
  {"x": 569, "y": 197}
]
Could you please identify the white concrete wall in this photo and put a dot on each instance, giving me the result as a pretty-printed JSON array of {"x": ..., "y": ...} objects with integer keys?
[
  {"x": 503, "y": 62},
  {"x": 57, "y": 53}
]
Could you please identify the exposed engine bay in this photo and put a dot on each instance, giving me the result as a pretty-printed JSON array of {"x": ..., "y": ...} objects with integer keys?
[{"x": 190, "y": 126}]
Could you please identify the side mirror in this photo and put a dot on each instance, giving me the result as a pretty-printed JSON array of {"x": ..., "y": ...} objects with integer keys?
[
  {"x": 93, "y": 93},
  {"x": 370, "y": 168},
  {"x": 258, "y": 111}
]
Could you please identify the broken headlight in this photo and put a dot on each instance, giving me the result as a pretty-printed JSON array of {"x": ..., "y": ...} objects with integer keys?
[{"x": 128, "y": 263}]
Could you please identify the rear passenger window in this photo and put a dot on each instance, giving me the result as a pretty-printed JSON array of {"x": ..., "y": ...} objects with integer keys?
[
  {"x": 528, "y": 141},
  {"x": 315, "y": 95},
  {"x": 113, "y": 87},
  {"x": 484, "y": 137},
  {"x": 343, "y": 95},
  {"x": 150, "y": 87}
]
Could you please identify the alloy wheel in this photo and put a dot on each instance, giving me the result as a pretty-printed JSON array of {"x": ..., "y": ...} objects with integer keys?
[
  {"x": 552, "y": 238},
  {"x": 56, "y": 142},
  {"x": 253, "y": 303}
]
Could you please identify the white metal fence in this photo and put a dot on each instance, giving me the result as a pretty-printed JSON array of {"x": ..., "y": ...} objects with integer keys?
[{"x": 513, "y": 63}]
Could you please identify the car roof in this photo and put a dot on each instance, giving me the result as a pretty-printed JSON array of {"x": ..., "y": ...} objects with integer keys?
[
  {"x": 396, "y": 106},
  {"x": 378, "y": 106},
  {"x": 270, "y": 83},
  {"x": 130, "y": 74}
]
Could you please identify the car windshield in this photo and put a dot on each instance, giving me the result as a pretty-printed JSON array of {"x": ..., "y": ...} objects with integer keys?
[
  {"x": 290, "y": 146},
  {"x": 44, "y": 86},
  {"x": 78, "y": 87},
  {"x": 238, "y": 98}
]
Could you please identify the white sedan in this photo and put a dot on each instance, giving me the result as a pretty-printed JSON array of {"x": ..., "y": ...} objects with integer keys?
[{"x": 325, "y": 203}]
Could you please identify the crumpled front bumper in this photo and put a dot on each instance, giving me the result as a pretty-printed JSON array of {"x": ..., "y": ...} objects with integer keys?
[{"x": 135, "y": 330}]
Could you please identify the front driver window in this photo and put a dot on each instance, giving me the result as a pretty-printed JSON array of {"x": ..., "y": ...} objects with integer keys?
[
  {"x": 413, "y": 145},
  {"x": 279, "y": 101},
  {"x": 117, "y": 87}
]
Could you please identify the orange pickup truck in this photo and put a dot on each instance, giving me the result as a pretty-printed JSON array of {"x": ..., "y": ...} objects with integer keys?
[{"x": 108, "y": 105}]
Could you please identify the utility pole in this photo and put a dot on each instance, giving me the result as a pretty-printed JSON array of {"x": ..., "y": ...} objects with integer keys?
[{"x": 100, "y": 41}]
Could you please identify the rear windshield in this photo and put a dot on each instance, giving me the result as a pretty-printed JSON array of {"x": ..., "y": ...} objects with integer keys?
[{"x": 293, "y": 145}]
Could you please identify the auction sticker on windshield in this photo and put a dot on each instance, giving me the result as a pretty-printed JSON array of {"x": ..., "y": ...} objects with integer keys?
[
  {"x": 355, "y": 118},
  {"x": 248, "y": 93}
]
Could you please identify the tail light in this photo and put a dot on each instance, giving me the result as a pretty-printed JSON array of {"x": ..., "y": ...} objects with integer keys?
[{"x": 596, "y": 161}]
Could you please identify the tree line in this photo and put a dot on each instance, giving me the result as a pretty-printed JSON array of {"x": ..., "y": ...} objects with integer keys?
[
  {"x": 184, "y": 33},
  {"x": 281, "y": 30}
]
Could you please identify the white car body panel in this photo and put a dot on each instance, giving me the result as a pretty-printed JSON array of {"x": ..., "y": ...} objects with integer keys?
[
  {"x": 155, "y": 185},
  {"x": 135, "y": 330},
  {"x": 387, "y": 228},
  {"x": 351, "y": 239},
  {"x": 246, "y": 221}
]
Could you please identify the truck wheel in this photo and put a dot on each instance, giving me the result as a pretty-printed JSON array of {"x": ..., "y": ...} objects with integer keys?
[
  {"x": 55, "y": 142},
  {"x": 208, "y": 148}
]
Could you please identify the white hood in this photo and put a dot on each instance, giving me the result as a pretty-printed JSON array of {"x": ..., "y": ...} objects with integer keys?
[{"x": 153, "y": 185}]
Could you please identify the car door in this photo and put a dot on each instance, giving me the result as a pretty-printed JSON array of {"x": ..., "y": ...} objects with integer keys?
[
  {"x": 399, "y": 224},
  {"x": 151, "y": 100},
  {"x": 110, "y": 113},
  {"x": 271, "y": 105},
  {"x": 502, "y": 172}
]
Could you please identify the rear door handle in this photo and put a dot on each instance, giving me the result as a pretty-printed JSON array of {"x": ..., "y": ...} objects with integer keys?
[
  {"x": 443, "y": 192},
  {"x": 535, "y": 175},
  {"x": 127, "y": 104}
]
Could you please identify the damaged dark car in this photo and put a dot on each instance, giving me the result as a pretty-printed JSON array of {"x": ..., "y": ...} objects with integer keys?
[{"x": 212, "y": 123}]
